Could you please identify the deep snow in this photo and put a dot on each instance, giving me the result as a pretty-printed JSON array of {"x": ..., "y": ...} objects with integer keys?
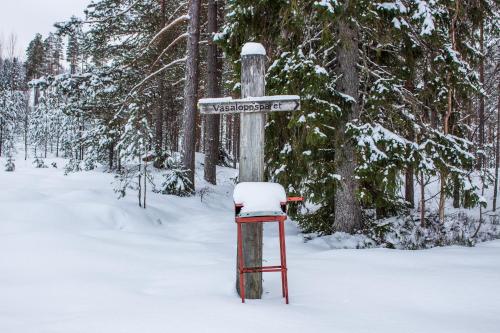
[{"x": 74, "y": 259}]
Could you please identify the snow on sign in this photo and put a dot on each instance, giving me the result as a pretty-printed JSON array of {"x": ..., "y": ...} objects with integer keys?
[{"x": 249, "y": 104}]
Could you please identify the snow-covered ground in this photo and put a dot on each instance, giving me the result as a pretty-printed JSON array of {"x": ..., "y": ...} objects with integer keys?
[{"x": 74, "y": 259}]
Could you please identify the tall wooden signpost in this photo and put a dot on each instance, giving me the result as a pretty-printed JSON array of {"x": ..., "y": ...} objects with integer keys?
[{"x": 253, "y": 108}]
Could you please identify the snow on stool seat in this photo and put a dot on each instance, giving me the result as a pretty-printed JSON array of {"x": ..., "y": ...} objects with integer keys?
[{"x": 260, "y": 199}]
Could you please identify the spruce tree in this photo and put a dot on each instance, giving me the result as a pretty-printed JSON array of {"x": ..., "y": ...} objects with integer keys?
[
  {"x": 35, "y": 55},
  {"x": 333, "y": 153}
]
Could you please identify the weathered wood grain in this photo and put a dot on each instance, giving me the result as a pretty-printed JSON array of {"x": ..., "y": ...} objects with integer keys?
[
  {"x": 249, "y": 105},
  {"x": 252, "y": 165}
]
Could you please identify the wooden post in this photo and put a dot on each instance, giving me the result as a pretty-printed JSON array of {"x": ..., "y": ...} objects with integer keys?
[
  {"x": 252, "y": 126},
  {"x": 253, "y": 107}
]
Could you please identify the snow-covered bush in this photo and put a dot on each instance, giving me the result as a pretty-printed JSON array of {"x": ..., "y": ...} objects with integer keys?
[
  {"x": 39, "y": 163},
  {"x": 176, "y": 179},
  {"x": 10, "y": 166},
  {"x": 225, "y": 158},
  {"x": 89, "y": 164},
  {"x": 10, "y": 151},
  {"x": 342, "y": 240},
  {"x": 127, "y": 178},
  {"x": 204, "y": 192},
  {"x": 73, "y": 165},
  {"x": 408, "y": 233}
]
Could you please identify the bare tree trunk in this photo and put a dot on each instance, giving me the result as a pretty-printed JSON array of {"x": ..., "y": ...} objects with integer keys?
[
  {"x": 410, "y": 171},
  {"x": 159, "y": 158},
  {"x": 449, "y": 111},
  {"x": 409, "y": 190},
  {"x": 145, "y": 183},
  {"x": 346, "y": 205},
  {"x": 422, "y": 199},
  {"x": 199, "y": 134},
  {"x": 482, "y": 158},
  {"x": 1, "y": 136},
  {"x": 159, "y": 115},
  {"x": 481, "y": 99},
  {"x": 191, "y": 90},
  {"x": 170, "y": 120},
  {"x": 236, "y": 140},
  {"x": 497, "y": 153},
  {"x": 139, "y": 189},
  {"x": 26, "y": 129},
  {"x": 456, "y": 192},
  {"x": 111, "y": 152},
  {"x": 444, "y": 174},
  {"x": 82, "y": 129},
  {"x": 118, "y": 160},
  {"x": 229, "y": 131},
  {"x": 410, "y": 181},
  {"x": 212, "y": 121}
]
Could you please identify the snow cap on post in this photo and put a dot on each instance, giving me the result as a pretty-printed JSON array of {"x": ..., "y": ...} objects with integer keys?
[{"x": 253, "y": 49}]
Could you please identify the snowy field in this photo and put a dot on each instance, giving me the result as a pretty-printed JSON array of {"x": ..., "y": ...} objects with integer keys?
[{"x": 73, "y": 259}]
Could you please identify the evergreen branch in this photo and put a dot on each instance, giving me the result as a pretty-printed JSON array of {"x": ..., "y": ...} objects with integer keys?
[
  {"x": 123, "y": 12},
  {"x": 180, "y": 19},
  {"x": 147, "y": 78},
  {"x": 177, "y": 9},
  {"x": 172, "y": 44},
  {"x": 178, "y": 82}
]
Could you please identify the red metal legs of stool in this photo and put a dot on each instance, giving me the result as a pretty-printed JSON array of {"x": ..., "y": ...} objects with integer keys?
[
  {"x": 241, "y": 263},
  {"x": 284, "y": 275},
  {"x": 241, "y": 260}
]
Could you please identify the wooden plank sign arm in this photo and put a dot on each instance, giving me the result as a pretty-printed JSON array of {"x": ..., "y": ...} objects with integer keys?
[{"x": 223, "y": 105}]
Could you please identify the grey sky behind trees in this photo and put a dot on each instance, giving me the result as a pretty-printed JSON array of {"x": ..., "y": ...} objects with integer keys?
[{"x": 24, "y": 18}]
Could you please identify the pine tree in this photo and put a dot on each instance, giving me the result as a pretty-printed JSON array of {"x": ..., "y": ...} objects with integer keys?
[
  {"x": 12, "y": 106},
  {"x": 35, "y": 55},
  {"x": 191, "y": 91},
  {"x": 147, "y": 68},
  {"x": 73, "y": 52},
  {"x": 213, "y": 78}
]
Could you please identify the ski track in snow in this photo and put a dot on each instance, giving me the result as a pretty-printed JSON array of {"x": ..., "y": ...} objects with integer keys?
[{"x": 74, "y": 259}]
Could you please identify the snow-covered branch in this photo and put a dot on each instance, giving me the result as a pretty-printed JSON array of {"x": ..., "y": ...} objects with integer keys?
[
  {"x": 147, "y": 78},
  {"x": 123, "y": 12},
  {"x": 179, "y": 20},
  {"x": 172, "y": 44}
]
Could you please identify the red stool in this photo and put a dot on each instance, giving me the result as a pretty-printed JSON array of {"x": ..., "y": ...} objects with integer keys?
[{"x": 279, "y": 217}]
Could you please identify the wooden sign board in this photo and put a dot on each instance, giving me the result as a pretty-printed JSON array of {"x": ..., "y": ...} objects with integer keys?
[{"x": 249, "y": 105}]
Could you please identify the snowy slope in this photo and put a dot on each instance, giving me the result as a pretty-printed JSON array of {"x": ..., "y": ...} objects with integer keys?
[{"x": 74, "y": 259}]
